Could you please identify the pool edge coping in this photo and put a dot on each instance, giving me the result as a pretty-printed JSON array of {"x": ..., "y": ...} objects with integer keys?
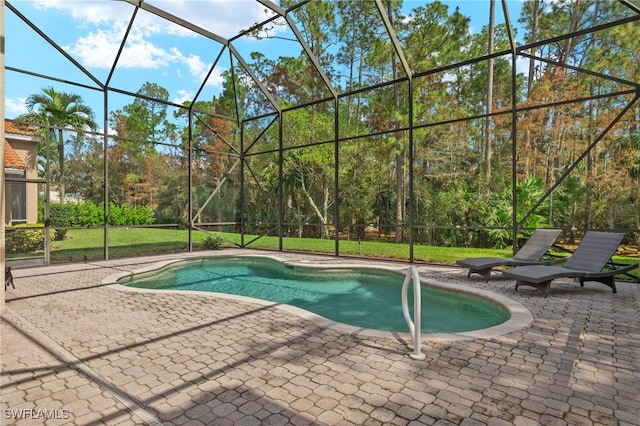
[{"x": 520, "y": 316}]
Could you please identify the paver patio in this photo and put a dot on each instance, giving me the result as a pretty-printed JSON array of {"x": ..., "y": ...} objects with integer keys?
[{"x": 77, "y": 351}]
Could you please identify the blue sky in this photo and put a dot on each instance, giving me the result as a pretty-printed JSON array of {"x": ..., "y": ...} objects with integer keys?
[{"x": 157, "y": 50}]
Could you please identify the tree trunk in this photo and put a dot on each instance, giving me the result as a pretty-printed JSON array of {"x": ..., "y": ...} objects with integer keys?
[
  {"x": 399, "y": 160},
  {"x": 323, "y": 217},
  {"x": 489, "y": 132},
  {"x": 61, "y": 189},
  {"x": 588, "y": 204},
  {"x": 534, "y": 32},
  {"x": 530, "y": 78},
  {"x": 589, "y": 178}
]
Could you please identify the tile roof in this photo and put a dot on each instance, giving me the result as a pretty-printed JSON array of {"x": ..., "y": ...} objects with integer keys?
[
  {"x": 18, "y": 129},
  {"x": 11, "y": 158}
]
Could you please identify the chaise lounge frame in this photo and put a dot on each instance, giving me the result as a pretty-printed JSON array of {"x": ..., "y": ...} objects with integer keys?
[
  {"x": 590, "y": 262},
  {"x": 534, "y": 249}
]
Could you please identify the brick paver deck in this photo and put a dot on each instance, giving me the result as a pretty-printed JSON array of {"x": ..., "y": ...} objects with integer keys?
[{"x": 76, "y": 351}]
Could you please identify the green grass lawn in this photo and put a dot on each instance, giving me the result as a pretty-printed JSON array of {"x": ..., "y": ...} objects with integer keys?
[
  {"x": 88, "y": 244},
  {"x": 81, "y": 244},
  {"x": 136, "y": 241},
  {"x": 123, "y": 242}
]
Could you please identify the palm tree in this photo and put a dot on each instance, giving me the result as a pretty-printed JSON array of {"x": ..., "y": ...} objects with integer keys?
[{"x": 61, "y": 111}]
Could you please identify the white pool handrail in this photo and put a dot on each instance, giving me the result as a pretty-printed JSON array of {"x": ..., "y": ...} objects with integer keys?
[{"x": 414, "y": 325}]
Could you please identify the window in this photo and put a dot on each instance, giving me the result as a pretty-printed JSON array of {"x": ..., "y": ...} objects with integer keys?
[
  {"x": 18, "y": 192},
  {"x": 18, "y": 203}
]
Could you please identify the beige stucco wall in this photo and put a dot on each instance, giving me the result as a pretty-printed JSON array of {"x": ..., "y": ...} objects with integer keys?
[{"x": 27, "y": 149}]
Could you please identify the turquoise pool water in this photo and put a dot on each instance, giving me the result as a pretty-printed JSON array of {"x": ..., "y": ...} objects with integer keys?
[{"x": 359, "y": 297}]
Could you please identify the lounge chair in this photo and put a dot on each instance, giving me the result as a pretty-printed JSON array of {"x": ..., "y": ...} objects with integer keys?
[
  {"x": 590, "y": 262},
  {"x": 531, "y": 252}
]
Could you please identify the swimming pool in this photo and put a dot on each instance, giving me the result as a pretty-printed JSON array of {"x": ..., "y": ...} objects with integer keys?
[{"x": 359, "y": 297}]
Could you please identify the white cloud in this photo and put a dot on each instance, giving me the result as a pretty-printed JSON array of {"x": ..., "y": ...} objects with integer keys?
[
  {"x": 153, "y": 43},
  {"x": 215, "y": 79},
  {"x": 183, "y": 96},
  {"x": 522, "y": 65},
  {"x": 140, "y": 53},
  {"x": 110, "y": 131},
  {"x": 198, "y": 69},
  {"x": 195, "y": 64},
  {"x": 15, "y": 107},
  {"x": 98, "y": 49},
  {"x": 94, "y": 12},
  {"x": 222, "y": 17}
]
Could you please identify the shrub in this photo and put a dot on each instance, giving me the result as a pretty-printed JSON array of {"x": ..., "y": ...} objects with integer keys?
[
  {"x": 213, "y": 242},
  {"x": 124, "y": 214},
  {"x": 63, "y": 215},
  {"x": 26, "y": 240},
  {"x": 90, "y": 214}
]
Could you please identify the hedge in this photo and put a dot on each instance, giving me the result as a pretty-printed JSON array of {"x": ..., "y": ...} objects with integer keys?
[{"x": 91, "y": 214}]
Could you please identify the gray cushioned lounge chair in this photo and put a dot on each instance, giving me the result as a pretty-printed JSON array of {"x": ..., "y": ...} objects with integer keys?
[
  {"x": 531, "y": 252},
  {"x": 588, "y": 263}
]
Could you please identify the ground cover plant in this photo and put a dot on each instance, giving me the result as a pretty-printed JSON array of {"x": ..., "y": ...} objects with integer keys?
[{"x": 86, "y": 244}]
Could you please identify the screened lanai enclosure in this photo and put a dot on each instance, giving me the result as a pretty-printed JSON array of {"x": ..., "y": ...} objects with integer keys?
[{"x": 342, "y": 127}]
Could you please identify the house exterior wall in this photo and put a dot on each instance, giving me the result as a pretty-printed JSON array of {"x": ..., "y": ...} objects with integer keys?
[
  {"x": 27, "y": 149},
  {"x": 7, "y": 202}
]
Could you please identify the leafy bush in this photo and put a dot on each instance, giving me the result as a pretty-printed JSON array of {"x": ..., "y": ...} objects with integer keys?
[
  {"x": 130, "y": 215},
  {"x": 26, "y": 240},
  {"x": 62, "y": 215},
  {"x": 90, "y": 214},
  {"x": 213, "y": 242}
]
